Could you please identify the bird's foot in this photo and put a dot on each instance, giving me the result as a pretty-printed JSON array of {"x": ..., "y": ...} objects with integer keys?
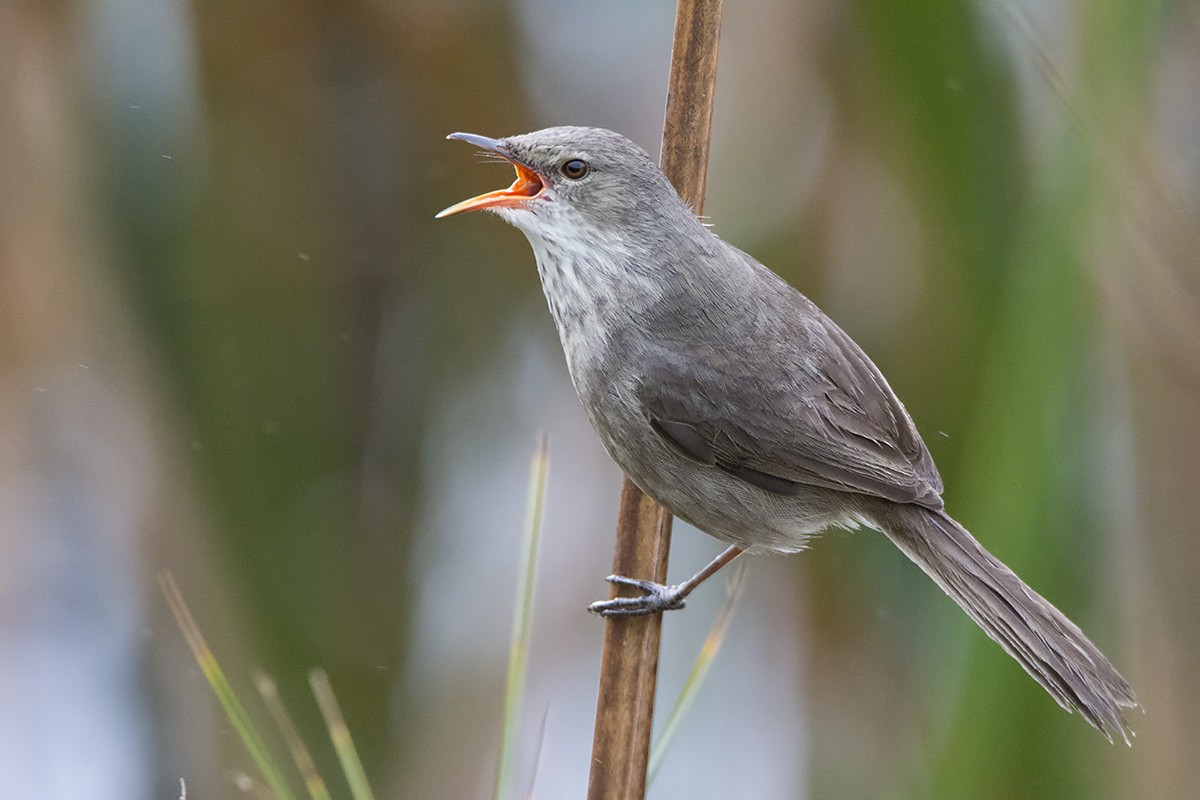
[{"x": 656, "y": 599}]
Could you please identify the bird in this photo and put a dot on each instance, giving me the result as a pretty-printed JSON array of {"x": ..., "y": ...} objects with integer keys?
[{"x": 729, "y": 398}]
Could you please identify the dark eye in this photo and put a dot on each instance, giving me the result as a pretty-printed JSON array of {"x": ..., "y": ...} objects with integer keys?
[{"x": 575, "y": 169}]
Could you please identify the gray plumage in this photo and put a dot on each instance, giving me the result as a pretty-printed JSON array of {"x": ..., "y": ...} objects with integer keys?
[{"x": 733, "y": 401}]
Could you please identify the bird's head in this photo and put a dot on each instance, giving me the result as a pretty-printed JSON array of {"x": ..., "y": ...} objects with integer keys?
[{"x": 572, "y": 179}]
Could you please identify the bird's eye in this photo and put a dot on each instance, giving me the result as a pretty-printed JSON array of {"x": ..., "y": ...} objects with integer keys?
[{"x": 575, "y": 169}]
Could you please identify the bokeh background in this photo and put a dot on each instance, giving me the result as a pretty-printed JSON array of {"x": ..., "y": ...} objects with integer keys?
[{"x": 235, "y": 345}]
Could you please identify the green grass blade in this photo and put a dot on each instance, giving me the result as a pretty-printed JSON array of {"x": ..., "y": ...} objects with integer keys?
[
  {"x": 356, "y": 776},
  {"x": 518, "y": 653},
  {"x": 234, "y": 710},
  {"x": 708, "y": 653},
  {"x": 317, "y": 789}
]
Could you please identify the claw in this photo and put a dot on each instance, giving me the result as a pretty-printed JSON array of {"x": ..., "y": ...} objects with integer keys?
[
  {"x": 650, "y": 587},
  {"x": 655, "y": 599}
]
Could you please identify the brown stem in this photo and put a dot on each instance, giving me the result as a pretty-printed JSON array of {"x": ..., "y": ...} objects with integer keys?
[{"x": 629, "y": 664}]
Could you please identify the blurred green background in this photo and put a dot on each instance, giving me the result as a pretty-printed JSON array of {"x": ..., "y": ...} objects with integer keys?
[{"x": 235, "y": 345}]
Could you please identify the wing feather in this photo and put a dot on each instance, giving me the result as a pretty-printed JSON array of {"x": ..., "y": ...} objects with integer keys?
[{"x": 841, "y": 427}]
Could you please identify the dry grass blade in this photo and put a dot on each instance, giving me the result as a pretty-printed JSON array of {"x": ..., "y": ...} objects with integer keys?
[
  {"x": 518, "y": 653},
  {"x": 343, "y": 744},
  {"x": 317, "y": 789},
  {"x": 708, "y": 653},
  {"x": 234, "y": 710}
]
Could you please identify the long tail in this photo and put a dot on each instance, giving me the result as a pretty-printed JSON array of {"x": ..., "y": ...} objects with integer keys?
[{"x": 1048, "y": 645}]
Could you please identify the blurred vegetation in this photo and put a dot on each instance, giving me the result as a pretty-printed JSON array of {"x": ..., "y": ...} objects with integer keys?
[{"x": 236, "y": 345}]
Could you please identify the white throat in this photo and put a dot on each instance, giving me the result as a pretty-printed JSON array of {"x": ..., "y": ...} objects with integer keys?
[
  {"x": 594, "y": 282},
  {"x": 586, "y": 273}
]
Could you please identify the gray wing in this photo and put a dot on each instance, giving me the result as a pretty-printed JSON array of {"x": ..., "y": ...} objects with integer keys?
[{"x": 831, "y": 421}]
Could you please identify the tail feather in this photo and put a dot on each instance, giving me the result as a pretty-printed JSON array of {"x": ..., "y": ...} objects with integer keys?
[{"x": 1049, "y": 646}]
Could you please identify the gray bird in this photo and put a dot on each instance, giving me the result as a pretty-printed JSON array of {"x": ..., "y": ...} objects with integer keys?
[{"x": 733, "y": 401}]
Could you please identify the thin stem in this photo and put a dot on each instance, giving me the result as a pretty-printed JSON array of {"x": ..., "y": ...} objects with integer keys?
[{"x": 629, "y": 664}]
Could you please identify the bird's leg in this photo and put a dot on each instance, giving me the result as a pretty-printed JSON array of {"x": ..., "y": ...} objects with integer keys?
[{"x": 658, "y": 597}]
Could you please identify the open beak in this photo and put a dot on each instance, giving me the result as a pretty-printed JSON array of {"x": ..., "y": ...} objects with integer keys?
[{"x": 527, "y": 185}]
